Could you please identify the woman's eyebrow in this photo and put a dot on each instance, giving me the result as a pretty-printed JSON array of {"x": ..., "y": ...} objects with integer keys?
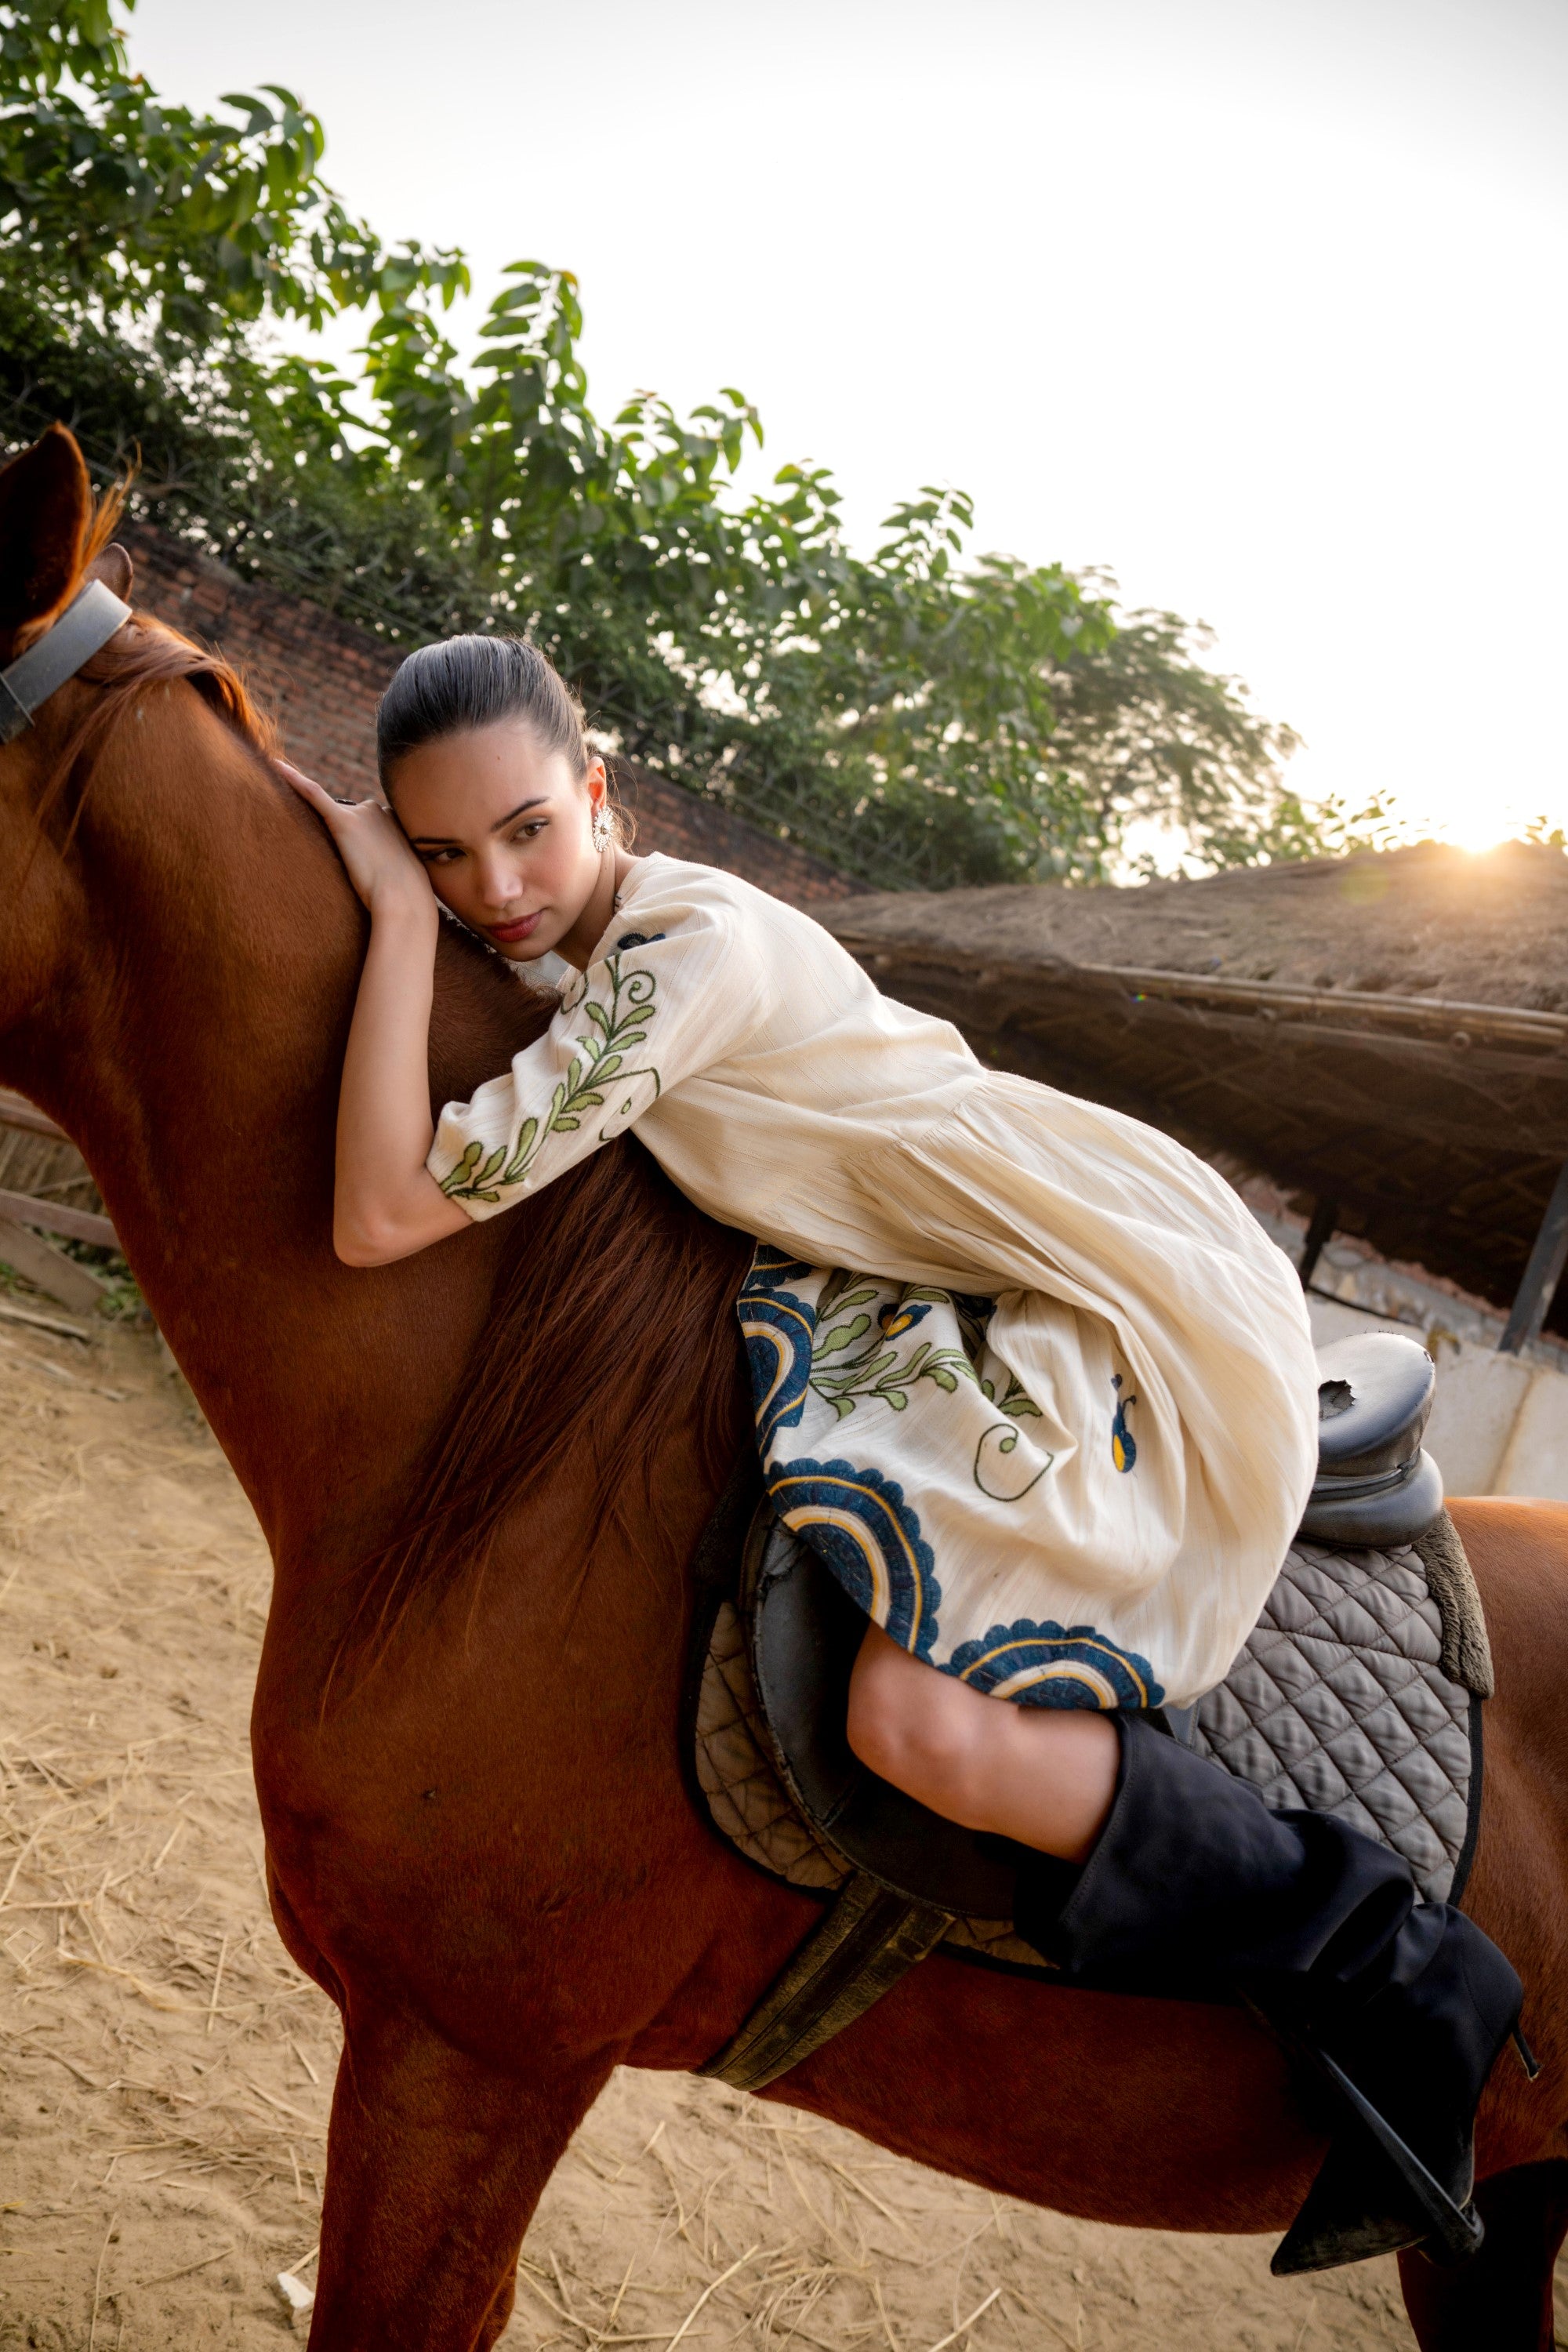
[
  {"x": 517, "y": 811},
  {"x": 450, "y": 841}
]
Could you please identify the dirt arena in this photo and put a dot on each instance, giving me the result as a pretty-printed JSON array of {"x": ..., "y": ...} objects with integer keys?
[{"x": 166, "y": 2069}]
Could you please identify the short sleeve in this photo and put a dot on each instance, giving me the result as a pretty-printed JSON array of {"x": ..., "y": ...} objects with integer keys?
[{"x": 654, "y": 1008}]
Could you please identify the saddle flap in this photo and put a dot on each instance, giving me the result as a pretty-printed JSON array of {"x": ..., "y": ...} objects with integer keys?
[{"x": 802, "y": 1633}]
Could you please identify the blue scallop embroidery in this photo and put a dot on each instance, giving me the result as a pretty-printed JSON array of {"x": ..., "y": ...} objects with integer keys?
[
  {"x": 778, "y": 1329},
  {"x": 861, "y": 1525},
  {"x": 1064, "y": 1665}
]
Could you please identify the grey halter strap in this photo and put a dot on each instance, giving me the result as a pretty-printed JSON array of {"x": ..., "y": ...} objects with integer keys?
[{"x": 87, "y": 624}]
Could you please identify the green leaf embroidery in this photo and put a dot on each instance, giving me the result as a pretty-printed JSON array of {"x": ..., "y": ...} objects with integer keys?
[
  {"x": 880, "y": 1369},
  {"x": 1014, "y": 1401},
  {"x": 600, "y": 1055},
  {"x": 843, "y": 1334}
]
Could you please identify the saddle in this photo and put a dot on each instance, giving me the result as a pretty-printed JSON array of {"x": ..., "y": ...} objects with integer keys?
[
  {"x": 1358, "y": 1693},
  {"x": 1375, "y": 1484}
]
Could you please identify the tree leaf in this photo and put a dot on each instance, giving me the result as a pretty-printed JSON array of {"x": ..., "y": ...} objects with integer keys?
[{"x": 917, "y": 715}]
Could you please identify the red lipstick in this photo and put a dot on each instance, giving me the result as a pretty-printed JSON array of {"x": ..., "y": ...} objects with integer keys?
[{"x": 521, "y": 927}]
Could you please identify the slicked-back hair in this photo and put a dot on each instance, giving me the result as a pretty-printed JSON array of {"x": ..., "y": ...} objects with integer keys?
[{"x": 465, "y": 683}]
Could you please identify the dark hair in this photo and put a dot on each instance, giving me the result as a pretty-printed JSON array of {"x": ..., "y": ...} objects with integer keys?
[{"x": 464, "y": 683}]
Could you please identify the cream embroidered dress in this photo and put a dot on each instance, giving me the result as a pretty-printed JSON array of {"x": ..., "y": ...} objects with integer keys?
[{"x": 1027, "y": 1373}]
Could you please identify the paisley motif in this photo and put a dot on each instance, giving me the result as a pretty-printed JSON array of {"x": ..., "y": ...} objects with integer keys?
[{"x": 1123, "y": 1444}]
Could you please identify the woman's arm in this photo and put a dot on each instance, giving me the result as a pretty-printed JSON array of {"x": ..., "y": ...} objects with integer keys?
[
  {"x": 654, "y": 1009},
  {"x": 386, "y": 1204}
]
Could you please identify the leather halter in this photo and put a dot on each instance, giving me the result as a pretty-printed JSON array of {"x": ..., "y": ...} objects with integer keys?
[{"x": 86, "y": 625}]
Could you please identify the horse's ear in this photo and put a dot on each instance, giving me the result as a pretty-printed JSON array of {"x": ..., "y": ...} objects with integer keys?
[
  {"x": 45, "y": 514},
  {"x": 113, "y": 566}
]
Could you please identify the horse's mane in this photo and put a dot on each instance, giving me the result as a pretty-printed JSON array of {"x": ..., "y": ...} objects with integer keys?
[
  {"x": 146, "y": 654},
  {"x": 609, "y": 1323}
]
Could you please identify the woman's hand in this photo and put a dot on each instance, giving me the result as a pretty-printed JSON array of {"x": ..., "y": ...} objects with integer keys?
[{"x": 369, "y": 840}]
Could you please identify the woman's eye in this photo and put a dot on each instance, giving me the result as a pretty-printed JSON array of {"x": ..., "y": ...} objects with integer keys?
[{"x": 527, "y": 832}]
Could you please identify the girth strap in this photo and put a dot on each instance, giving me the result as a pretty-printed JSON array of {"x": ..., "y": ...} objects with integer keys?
[
  {"x": 86, "y": 625},
  {"x": 867, "y": 1941}
]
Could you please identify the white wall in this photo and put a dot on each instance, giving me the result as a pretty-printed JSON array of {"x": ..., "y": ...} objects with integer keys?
[{"x": 1498, "y": 1425}]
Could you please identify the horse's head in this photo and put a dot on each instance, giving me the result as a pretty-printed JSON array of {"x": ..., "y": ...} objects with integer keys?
[
  {"x": 60, "y": 876},
  {"x": 52, "y": 537}
]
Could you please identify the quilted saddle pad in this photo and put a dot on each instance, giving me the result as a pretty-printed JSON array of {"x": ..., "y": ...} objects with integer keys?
[{"x": 1358, "y": 1693}]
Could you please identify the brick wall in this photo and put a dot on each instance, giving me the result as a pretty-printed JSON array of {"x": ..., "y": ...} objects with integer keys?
[
  {"x": 685, "y": 825},
  {"x": 323, "y": 678}
]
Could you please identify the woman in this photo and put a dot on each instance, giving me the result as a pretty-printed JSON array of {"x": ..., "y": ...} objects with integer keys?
[{"x": 1069, "y": 1495}]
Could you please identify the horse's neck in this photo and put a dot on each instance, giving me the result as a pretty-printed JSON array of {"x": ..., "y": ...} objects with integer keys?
[{"x": 192, "y": 1050}]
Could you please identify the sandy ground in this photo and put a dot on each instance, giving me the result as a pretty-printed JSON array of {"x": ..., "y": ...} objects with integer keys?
[{"x": 166, "y": 2069}]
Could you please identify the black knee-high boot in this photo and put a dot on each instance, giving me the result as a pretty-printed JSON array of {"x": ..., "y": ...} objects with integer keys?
[{"x": 1195, "y": 1885}]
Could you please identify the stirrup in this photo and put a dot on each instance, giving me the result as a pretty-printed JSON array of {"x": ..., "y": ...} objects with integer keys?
[{"x": 1319, "y": 2238}]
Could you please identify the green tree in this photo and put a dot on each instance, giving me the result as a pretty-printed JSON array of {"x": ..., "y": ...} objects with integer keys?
[{"x": 919, "y": 717}]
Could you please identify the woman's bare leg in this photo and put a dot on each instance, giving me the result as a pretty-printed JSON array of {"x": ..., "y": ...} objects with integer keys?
[{"x": 1045, "y": 1776}]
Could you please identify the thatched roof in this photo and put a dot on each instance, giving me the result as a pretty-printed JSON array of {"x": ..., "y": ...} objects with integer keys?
[{"x": 1380, "y": 1031}]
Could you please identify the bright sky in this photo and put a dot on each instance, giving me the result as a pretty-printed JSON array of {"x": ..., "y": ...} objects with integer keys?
[{"x": 1258, "y": 303}]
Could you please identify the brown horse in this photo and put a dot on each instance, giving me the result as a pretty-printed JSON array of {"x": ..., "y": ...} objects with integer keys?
[{"x": 480, "y": 1839}]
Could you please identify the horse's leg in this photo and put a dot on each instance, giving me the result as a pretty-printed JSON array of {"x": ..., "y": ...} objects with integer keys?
[
  {"x": 1503, "y": 2297},
  {"x": 435, "y": 2163},
  {"x": 492, "y": 2327}
]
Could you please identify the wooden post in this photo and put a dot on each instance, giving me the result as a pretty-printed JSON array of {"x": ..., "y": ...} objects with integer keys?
[
  {"x": 1319, "y": 1233},
  {"x": 75, "y": 1285},
  {"x": 1536, "y": 1292},
  {"x": 16, "y": 1111},
  {"x": 54, "y": 1217}
]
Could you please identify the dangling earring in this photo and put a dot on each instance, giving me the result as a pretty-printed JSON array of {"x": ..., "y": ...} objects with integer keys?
[{"x": 603, "y": 830}]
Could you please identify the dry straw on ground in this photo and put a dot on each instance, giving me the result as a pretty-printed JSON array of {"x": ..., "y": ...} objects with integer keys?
[{"x": 167, "y": 2069}]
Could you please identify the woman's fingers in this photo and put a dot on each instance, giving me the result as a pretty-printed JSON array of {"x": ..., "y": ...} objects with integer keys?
[
  {"x": 367, "y": 839},
  {"x": 306, "y": 786},
  {"x": 326, "y": 803}
]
